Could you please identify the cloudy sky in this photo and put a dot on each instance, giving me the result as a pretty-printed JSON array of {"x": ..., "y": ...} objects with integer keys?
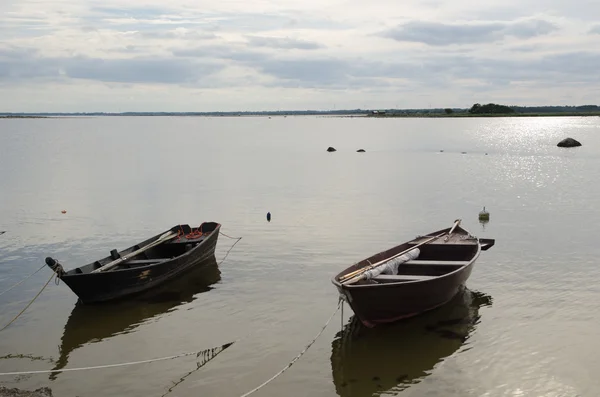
[{"x": 197, "y": 55}]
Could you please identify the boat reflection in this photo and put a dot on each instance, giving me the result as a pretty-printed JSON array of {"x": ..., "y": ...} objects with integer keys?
[
  {"x": 388, "y": 359},
  {"x": 95, "y": 323}
]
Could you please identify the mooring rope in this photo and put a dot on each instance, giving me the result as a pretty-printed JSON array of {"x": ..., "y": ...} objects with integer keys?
[
  {"x": 152, "y": 360},
  {"x": 295, "y": 358},
  {"x": 22, "y": 281},
  {"x": 230, "y": 248},
  {"x": 29, "y": 304}
]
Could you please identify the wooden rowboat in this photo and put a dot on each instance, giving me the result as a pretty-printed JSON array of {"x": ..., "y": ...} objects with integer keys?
[
  {"x": 411, "y": 278},
  {"x": 89, "y": 324},
  {"x": 141, "y": 267}
]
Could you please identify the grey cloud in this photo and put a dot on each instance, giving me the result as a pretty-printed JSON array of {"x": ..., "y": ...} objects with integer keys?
[
  {"x": 440, "y": 34},
  {"x": 143, "y": 19},
  {"x": 530, "y": 28},
  {"x": 551, "y": 69},
  {"x": 434, "y": 33},
  {"x": 282, "y": 43},
  {"x": 19, "y": 66},
  {"x": 321, "y": 71},
  {"x": 137, "y": 12},
  {"x": 221, "y": 52},
  {"x": 200, "y": 67},
  {"x": 595, "y": 29},
  {"x": 138, "y": 70},
  {"x": 257, "y": 22},
  {"x": 526, "y": 48},
  {"x": 438, "y": 70},
  {"x": 172, "y": 34}
]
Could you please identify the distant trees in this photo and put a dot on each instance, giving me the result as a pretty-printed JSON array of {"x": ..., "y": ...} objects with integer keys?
[
  {"x": 448, "y": 111},
  {"x": 490, "y": 108}
]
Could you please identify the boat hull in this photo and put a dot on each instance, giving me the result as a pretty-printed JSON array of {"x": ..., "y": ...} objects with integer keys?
[
  {"x": 389, "y": 303},
  {"x": 438, "y": 271},
  {"x": 108, "y": 286}
]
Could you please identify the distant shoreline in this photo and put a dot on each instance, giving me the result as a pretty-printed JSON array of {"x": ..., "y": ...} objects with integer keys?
[
  {"x": 462, "y": 115},
  {"x": 324, "y": 114}
]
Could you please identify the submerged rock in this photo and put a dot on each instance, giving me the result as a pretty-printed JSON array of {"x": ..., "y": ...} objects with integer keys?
[
  {"x": 331, "y": 149},
  {"x": 360, "y": 151},
  {"x": 568, "y": 142},
  {"x": 41, "y": 392}
]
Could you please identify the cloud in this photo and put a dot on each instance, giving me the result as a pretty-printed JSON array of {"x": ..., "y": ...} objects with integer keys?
[
  {"x": 27, "y": 65},
  {"x": 293, "y": 54},
  {"x": 441, "y": 34},
  {"x": 282, "y": 43},
  {"x": 219, "y": 52},
  {"x": 595, "y": 29}
]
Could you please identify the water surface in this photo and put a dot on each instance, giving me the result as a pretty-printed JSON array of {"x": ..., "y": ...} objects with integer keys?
[{"x": 527, "y": 325}]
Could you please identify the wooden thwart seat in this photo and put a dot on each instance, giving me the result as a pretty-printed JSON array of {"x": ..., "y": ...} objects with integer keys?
[
  {"x": 145, "y": 261},
  {"x": 402, "y": 277},
  {"x": 436, "y": 263}
]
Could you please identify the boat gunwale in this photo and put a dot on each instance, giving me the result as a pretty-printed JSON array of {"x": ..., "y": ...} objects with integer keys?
[
  {"x": 338, "y": 284},
  {"x": 148, "y": 266}
]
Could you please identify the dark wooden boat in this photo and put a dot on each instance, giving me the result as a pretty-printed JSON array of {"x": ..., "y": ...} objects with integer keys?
[
  {"x": 143, "y": 266},
  {"x": 418, "y": 276},
  {"x": 387, "y": 360},
  {"x": 89, "y": 324}
]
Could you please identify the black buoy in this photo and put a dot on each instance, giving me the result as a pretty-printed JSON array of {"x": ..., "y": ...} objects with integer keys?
[{"x": 268, "y": 216}]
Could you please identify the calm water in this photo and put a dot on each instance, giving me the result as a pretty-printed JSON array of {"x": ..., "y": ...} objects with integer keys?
[{"x": 527, "y": 326}]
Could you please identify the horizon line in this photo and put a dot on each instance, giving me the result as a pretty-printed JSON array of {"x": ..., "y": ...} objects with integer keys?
[{"x": 355, "y": 110}]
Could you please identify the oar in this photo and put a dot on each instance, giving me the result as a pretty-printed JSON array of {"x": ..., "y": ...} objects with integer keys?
[
  {"x": 374, "y": 265},
  {"x": 456, "y": 223},
  {"x": 167, "y": 236}
]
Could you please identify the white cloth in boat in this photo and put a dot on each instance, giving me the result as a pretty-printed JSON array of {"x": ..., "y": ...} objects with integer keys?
[{"x": 391, "y": 266}]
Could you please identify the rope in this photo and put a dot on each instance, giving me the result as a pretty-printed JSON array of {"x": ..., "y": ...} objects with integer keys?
[
  {"x": 29, "y": 304},
  {"x": 233, "y": 238},
  {"x": 297, "y": 357},
  {"x": 22, "y": 281},
  {"x": 152, "y": 360},
  {"x": 230, "y": 248}
]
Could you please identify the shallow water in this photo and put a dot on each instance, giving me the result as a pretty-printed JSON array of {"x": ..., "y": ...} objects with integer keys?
[{"x": 527, "y": 325}]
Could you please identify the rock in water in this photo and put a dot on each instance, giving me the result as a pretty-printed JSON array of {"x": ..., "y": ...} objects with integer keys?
[
  {"x": 568, "y": 142},
  {"x": 360, "y": 151},
  {"x": 331, "y": 149}
]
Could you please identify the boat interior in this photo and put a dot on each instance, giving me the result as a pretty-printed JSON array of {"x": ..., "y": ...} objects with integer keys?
[
  {"x": 186, "y": 238},
  {"x": 435, "y": 259}
]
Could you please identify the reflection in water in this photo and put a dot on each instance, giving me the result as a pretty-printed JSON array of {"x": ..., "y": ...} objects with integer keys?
[
  {"x": 388, "y": 359},
  {"x": 94, "y": 323},
  {"x": 203, "y": 358},
  {"x": 483, "y": 222}
]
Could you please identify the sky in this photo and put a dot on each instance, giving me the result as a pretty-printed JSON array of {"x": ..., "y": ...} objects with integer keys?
[{"x": 234, "y": 55}]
